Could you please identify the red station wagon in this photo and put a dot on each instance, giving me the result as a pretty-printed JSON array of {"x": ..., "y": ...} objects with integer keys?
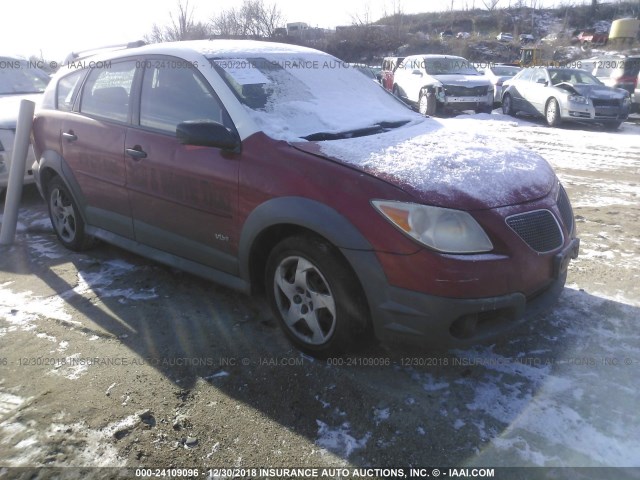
[{"x": 277, "y": 168}]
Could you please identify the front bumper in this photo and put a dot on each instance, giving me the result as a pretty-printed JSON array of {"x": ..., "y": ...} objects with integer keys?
[
  {"x": 410, "y": 317},
  {"x": 582, "y": 112}
]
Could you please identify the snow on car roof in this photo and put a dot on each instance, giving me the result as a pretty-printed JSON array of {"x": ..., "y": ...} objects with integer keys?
[{"x": 226, "y": 48}]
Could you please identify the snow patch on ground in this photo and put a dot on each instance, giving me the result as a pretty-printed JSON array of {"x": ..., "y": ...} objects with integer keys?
[
  {"x": 549, "y": 409},
  {"x": 339, "y": 440}
]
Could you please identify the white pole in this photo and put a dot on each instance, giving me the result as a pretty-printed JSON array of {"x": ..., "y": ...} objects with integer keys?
[{"x": 16, "y": 172}]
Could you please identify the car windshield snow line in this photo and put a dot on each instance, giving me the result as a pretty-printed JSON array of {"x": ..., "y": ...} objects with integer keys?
[{"x": 358, "y": 132}]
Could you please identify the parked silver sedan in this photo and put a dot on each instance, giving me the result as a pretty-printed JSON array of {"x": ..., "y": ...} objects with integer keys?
[{"x": 565, "y": 94}]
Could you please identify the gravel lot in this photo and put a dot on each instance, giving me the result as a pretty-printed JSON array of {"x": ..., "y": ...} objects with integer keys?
[{"x": 108, "y": 359}]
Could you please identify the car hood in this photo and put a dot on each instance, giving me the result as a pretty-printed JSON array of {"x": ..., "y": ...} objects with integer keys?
[
  {"x": 10, "y": 106},
  {"x": 445, "y": 167},
  {"x": 462, "y": 80},
  {"x": 600, "y": 92}
]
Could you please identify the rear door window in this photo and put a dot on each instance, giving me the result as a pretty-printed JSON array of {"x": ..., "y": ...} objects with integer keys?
[
  {"x": 107, "y": 91},
  {"x": 67, "y": 87}
]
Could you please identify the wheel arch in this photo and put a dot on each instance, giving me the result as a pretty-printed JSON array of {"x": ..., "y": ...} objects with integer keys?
[
  {"x": 283, "y": 217},
  {"x": 50, "y": 165}
]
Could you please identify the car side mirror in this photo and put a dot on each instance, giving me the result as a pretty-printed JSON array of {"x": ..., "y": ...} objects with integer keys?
[
  {"x": 541, "y": 81},
  {"x": 417, "y": 72},
  {"x": 207, "y": 133}
]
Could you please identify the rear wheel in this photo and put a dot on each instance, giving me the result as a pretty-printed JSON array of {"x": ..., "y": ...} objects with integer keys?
[
  {"x": 314, "y": 296},
  {"x": 552, "y": 113},
  {"x": 65, "y": 217}
]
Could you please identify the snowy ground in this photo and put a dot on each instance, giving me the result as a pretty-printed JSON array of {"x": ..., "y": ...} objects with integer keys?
[{"x": 200, "y": 377}]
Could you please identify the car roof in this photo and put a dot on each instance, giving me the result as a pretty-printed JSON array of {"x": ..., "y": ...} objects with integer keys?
[{"x": 226, "y": 48}]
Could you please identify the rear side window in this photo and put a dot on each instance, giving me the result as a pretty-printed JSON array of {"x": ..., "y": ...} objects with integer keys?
[
  {"x": 172, "y": 95},
  {"x": 67, "y": 87},
  {"x": 107, "y": 91}
]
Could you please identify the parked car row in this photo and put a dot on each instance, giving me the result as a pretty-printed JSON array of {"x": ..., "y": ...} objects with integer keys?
[
  {"x": 438, "y": 84},
  {"x": 508, "y": 37},
  {"x": 351, "y": 212}
]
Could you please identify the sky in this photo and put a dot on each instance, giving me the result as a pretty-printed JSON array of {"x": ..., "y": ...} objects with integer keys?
[{"x": 54, "y": 28}]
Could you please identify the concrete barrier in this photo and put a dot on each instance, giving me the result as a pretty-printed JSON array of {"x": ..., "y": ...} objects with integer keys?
[{"x": 16, "y": 172}]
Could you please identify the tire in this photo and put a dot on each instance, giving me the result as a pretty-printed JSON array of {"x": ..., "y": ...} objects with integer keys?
[
  {"x": 486, "y": 109},
  {"x": 613, "y": 125},
  {"x": 315, "y": 297},
  {"x": 552, "y": 113},
  {"x": 507, "y": 106},
  {"x": 65, "y": 217},
  {"x": 427, "y": 104}
]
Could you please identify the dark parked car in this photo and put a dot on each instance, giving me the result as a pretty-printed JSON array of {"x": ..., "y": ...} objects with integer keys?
[
  {"x": 269, "y": 167},
  {"x": 565, "y": 94}
]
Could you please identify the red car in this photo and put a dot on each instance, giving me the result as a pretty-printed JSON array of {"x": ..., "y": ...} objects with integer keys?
[
  {"x": 389, "y": 66},
  {"x": 276, "y": 168}
]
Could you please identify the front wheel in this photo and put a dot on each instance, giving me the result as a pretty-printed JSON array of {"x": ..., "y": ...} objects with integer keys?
[
  {"x": 65, "y": 217},
  {"x": 552, "y": 113},
  {"x": 485, "y": 109},
  {"x": 507, "y": 106},
  {"x": 427, "y": 104},
  {"x": 315, "y": 296},
  {"x": 613, "y": 125}
]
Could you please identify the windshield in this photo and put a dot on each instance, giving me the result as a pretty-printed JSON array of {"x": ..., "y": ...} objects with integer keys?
[
  {"x": 291, "y": 98},
  {"x": 505, "y": 71},
  {"x": 16, "y": 77},
  {"x": 572, "y": 76},
  {"x": 449, "y": 66}
]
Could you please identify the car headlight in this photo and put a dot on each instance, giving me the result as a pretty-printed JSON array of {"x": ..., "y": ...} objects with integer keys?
[
  {"x": 626, "y": 102},
  {"x": 442, "y": 229},
  {"x": 579, "y": 99}
]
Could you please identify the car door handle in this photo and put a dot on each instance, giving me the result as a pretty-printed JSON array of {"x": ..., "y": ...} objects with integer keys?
[
  {"x": 69, "y": 136},
  {"x": 136, "y": 153}
]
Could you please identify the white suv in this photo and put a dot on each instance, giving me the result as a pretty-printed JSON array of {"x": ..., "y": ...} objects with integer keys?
[{"x": 442, "y": 83}]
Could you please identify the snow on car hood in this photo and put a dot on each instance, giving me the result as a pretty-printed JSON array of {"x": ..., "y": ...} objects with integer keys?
[
  {"x": 463, "y": 80},
  {"x": 447, "y": 166},
  {"x": 10, "y": 106}
]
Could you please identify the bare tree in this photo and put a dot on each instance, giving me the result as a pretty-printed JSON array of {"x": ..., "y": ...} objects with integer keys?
[
  {"x": 490, "y": 4},
  {"x": 182, "y": 27},
  {"x": 253, "y": 18}
]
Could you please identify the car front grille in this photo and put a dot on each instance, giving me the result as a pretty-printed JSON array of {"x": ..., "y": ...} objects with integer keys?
[
  {"x": 457, "y": 91},
  {"x": 566, "y": 212},
  {"x": 539, "y": 229},
  {"x": 602, "y": 102}
]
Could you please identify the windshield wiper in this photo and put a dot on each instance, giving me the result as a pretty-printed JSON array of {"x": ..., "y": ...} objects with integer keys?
[{"x": 358, "y": 132}]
